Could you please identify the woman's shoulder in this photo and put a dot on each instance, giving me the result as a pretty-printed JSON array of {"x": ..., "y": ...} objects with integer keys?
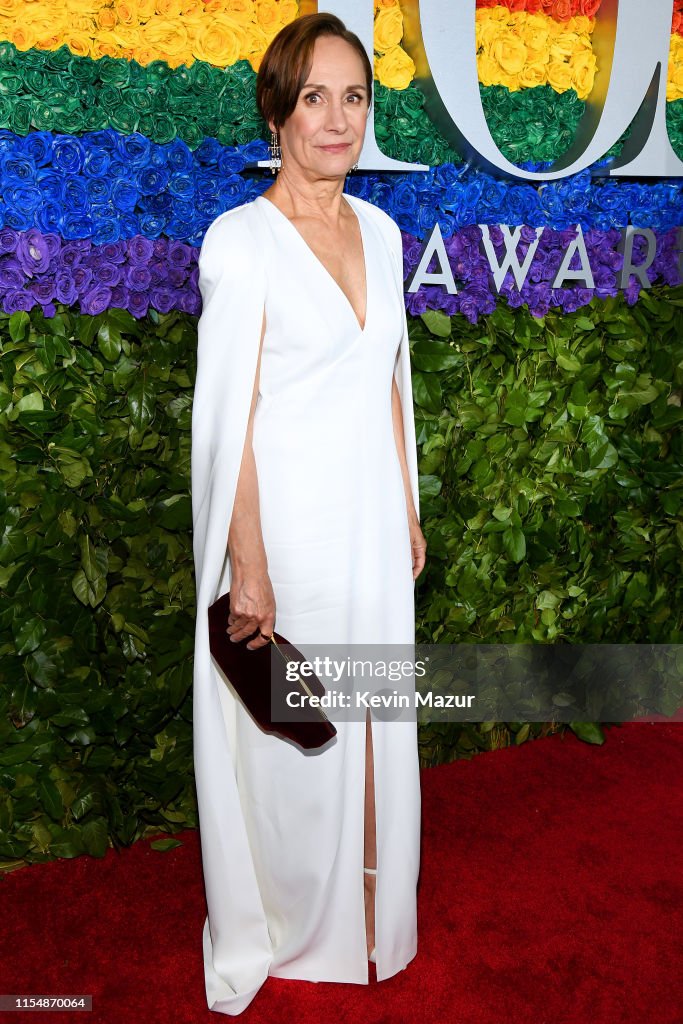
[
  {"x": 380, "y": 217},
  {"x": 230, "y": 234},
  {"x": 387, "y": 228},
  {"x": 230, "y": 251}
]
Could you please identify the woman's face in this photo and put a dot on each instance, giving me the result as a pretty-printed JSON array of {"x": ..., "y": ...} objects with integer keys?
[{"x": 324, "y": 133}]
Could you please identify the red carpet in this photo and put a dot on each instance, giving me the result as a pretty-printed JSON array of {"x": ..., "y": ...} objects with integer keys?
[{"x": 551, "y": 893}]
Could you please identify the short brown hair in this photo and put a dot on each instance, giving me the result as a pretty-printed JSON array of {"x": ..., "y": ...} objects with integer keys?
[{"x": 287, "y": 62}]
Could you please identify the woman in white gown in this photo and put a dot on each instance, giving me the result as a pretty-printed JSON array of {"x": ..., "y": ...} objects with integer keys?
[{"x": 305, "y": 508}]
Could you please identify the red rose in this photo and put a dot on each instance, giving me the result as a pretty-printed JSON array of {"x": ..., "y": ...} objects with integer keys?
[
  {"x": 588, "y": 7},
  {"x": 561, "y": 10}
]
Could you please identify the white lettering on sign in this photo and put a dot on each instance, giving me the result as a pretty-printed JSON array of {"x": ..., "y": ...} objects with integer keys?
[{"x": 434, "y": 245}]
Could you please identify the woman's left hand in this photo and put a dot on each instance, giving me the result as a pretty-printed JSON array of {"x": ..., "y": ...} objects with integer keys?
[{"x": 418, "y": 546}]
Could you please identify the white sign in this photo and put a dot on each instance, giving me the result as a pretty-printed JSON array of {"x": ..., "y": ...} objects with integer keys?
[{"x": 631, "y": 39}]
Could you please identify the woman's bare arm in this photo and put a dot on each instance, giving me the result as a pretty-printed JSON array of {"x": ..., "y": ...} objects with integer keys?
[{"x": 252, "y": 602}]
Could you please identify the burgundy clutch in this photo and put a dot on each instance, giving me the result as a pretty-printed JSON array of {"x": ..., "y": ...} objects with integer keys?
[{"x": 259, "y": 679}]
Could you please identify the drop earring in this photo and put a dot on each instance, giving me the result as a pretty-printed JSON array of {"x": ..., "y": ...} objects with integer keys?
[{"x": 275, "y": 152}]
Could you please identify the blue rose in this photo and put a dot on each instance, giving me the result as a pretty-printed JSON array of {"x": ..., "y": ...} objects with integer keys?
[
  {"x": 232, "y": 161},
  {"x": 124, "y": 196},
  {"x": 68, "y": 154},
  {"x": 208, "y": 152},
  {"x": 179, "y": 156},
  {"x": 97, "y": 161},
  {"x": 98, "y": 190},
  {"x": 134, "y": 150},
  {"x": 151, "y": 180}
]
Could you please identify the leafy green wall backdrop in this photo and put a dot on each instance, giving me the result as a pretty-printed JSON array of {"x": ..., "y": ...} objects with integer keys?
[{"x": 551, "y": 465}]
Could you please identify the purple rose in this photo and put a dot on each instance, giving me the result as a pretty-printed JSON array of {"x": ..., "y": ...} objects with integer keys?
[
  {"x": 95, "y": 300},
  {"x": 33, "y": 252},
  {"x": 65, "y": 289}
]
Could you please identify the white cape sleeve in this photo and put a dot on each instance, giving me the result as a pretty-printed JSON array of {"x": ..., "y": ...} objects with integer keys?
[
  {"x": 232, "y": 285},
  {"x": 236, "y": 946},
  {"x": 402, "y": 369}
]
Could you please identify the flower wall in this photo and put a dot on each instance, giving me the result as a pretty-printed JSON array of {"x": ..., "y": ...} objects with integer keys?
[
  {"x": 548, "y": 418},
  {"x": 124, "y": 129}
]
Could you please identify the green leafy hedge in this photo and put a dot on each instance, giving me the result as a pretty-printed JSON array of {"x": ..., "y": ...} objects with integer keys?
[{"x": 550, "y": 454}]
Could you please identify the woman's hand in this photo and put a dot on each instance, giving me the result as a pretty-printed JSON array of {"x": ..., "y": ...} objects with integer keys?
[
  {"x": 418, "y": 546},
  {"x": 252, "y": 607}
]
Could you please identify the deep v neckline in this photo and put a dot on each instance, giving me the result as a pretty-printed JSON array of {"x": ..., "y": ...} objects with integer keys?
[{"x": 322, "y": 266}]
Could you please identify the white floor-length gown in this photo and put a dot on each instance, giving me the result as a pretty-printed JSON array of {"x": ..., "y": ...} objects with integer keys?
[{"x": 282, "y": 830}]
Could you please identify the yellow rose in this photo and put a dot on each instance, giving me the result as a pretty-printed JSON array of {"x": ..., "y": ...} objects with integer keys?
[
  {"x": 580, "y": 24},
  {"x": 675, "y": 84},
  {"x": 102, "y": 47},
  {"x": 381, "y": 4},
  {"x": 22, "y": 36},
  {"x": 510, "y": 53},
  {"x": 583, "y": 69},
  {"x": 218, "y": 41},
  {"x": 288, "y": 10},
  {"x": 511, "y": 82},
  {"x": 192, "y": 9},
  {"x": 674, "y": 81},
  {"x": 78, "y": 42},
  {"x": 535, "y": 35},
  {"x": 562, "y": 49},
  {"x": 146, "y": 9},
  {"x": 82, "y": 23},
  {"x": 268, "y": 16},
  {"x": 487, "y": 70},
  {"x": 498, "y": 15},
  {"x": 395, "y": 69},
  {"x": 487, "y": 30},
  {"x": 559, "y": 76},
  {"x": 235, "y": 7},
  {"x": 388, "y": 28},
  {"x": 168, "y": 9},
  {"x": 129, "y": 38},
  {"x": 50, "y": 40},
  {"x": 12, "y": 8},
  {"x": 127, "y": 12},
  {"x": 106, "y": 18},
  {"x": 533, "y": 75},
  {"x": 168, "y": 38},
  {"x": 241, "y": 10},
  {"x": 145, "y": 55},
  {"x": 45, "y": 22},
  {"x": 254, "y": 42}
]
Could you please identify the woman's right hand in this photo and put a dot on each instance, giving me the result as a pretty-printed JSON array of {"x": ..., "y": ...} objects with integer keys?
[{"x": 252, "y": 607}]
